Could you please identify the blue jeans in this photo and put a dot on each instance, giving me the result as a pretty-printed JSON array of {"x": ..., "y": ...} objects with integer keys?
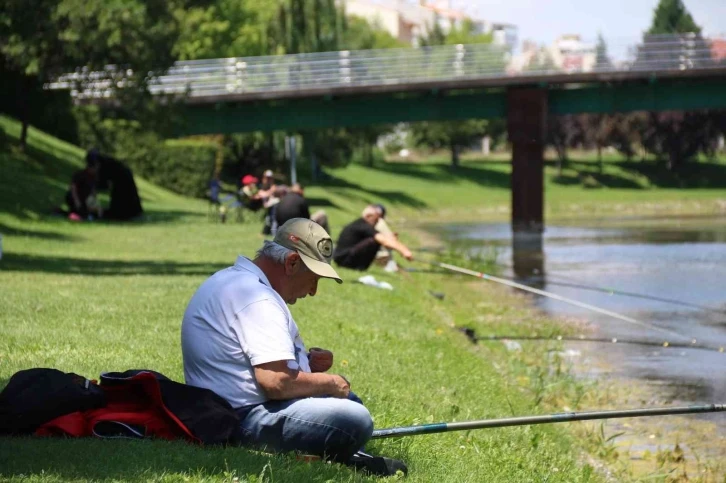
[{"x": 324, "y": 426}]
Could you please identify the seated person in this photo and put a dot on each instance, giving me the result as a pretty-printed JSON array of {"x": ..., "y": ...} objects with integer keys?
[
  {"x": 125, "y": 203},
  {"x": 240, "y": 340},
  {"x": 385, "y": 255},
  {"x": 252, "y": 198},
  {"x": 292, "y": 205},
  {"x": 267, "y": 190},
  {"x": 82, "y": 190},
  {"x": 276, "y": 194},
  {"x": 359, "y": 242},
  {"x": 93, "y": 204},
  {"x": 267, "y": 185},
  {"x": 215, "y": 189}
]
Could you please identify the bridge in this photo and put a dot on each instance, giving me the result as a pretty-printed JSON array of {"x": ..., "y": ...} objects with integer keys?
[{"x": 356, "y": 88}]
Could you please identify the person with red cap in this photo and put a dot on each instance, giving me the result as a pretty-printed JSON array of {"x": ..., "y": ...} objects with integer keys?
[{"x": 253, "y": 198}]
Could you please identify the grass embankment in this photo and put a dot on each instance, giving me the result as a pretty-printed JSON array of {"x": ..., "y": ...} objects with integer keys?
[
  {"x": 95, "y": 297},
  {"x": 479, "y": 189}
]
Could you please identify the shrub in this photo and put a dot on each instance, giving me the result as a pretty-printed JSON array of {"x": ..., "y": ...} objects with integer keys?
[{"x": 183, "y": 166}]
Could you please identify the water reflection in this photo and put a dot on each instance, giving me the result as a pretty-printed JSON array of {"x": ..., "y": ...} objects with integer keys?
[{"x": 528, "y": 260}]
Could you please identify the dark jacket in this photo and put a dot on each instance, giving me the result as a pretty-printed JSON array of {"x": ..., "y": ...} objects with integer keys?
[{"x": 130, "y": 404}]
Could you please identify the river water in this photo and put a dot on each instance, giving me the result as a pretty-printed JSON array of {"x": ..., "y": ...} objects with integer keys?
[{"x": 683, "y": 259}]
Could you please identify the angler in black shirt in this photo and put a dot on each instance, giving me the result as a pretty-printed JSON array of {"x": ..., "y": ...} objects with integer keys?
[
  {"x": 292, "y": 205},
  {"x": 359, "y": 242}
]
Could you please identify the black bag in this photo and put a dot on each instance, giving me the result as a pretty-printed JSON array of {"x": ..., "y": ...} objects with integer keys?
[{"x": 35, "y": 396}]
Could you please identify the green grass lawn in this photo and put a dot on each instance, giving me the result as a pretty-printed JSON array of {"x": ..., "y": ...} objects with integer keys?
[{"x": 94, "y": 297}]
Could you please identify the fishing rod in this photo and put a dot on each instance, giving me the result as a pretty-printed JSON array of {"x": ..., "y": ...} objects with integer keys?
[
  {"x": 546, "y": 419},
  {"x": 553, "y": 296},
  {"x": 581, "y": 338},
  {"x": 574, "y": 283},
  {"x": 610, "y": 291},
  {"x": 635, "y": 295}
]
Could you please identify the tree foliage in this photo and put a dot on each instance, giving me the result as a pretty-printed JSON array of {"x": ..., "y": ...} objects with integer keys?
[
  {"x": 231, "y": 28},
  {"x": 41, "y": 39},
  {"x": 454, "y": 135},
  {"x": 228, "y": 28},
  {"x": 676, "y": 137},
  {"x": 670, "y": 17},
  {"x": 602, "y": 58}
]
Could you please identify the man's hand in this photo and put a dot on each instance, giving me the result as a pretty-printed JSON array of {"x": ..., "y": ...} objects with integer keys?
[
  {"x": 320, "y": 359},
  {"x": 342, "y": 388},
  {"x": 407, "y": 254},
  {"x": 279, "y": 382}
]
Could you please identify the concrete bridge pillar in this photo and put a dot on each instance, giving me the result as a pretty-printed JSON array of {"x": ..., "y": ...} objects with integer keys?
[{"x": 526, "y": 121}]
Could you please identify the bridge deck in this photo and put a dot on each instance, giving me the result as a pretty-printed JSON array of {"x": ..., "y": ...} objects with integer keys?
[{"x": 450, "y": 67}]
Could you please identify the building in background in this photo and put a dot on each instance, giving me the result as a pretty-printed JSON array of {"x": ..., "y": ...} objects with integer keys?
[
  {"x": 409, "y": 21},
  {"x": 718, "y": 50},
  {"x": 568, "y": 53}
]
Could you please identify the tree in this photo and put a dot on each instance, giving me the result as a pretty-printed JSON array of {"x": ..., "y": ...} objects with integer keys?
[
  {"x": 28, "y": 44},
  {"x": 675, "y": 136},
  {"x": 360, "y": 35},
  {"x": 233, "y": 28},
  {"x": 452, "y": 135},
  {"x": 563, "y": 132},
  {"x": 602, "y": 59},
  {"x": 310, "y": 26},
  {"x": 229, "y": 28},
  {"x": 455, "y": 135},
  {"x": 671, "y": 16},
  {"x": 43, "y": 38},
  {"x": 597, "y": 130}
]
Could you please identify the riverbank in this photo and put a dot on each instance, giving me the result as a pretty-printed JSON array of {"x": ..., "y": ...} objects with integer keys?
[{"x": 642, "y": 258}]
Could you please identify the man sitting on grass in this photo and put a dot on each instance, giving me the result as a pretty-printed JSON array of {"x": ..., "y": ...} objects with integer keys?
[
  {"x": 359, "y": 242},
  {"x": 239, "y": 339}
]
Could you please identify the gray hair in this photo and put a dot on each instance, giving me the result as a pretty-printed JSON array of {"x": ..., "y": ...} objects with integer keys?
[
  {"x": 276, "y": 252},
  {"x": 370, "y": 210}
]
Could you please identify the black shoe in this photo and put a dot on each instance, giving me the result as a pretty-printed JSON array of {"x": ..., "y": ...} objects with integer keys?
[{"x": 377, "y": 465}]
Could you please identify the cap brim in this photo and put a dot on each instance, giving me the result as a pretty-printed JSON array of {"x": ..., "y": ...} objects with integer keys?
[{"x": 320, "y": 268}]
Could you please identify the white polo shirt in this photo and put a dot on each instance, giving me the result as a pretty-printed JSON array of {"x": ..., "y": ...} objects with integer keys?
[{"x": 235, "y": 321}]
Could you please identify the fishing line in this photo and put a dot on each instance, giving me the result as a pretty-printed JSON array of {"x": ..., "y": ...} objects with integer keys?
[
  {"x": 574, "y": 283},
  {"x": 694, "y": 344},
  {"x": 554, "y": 297}
]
